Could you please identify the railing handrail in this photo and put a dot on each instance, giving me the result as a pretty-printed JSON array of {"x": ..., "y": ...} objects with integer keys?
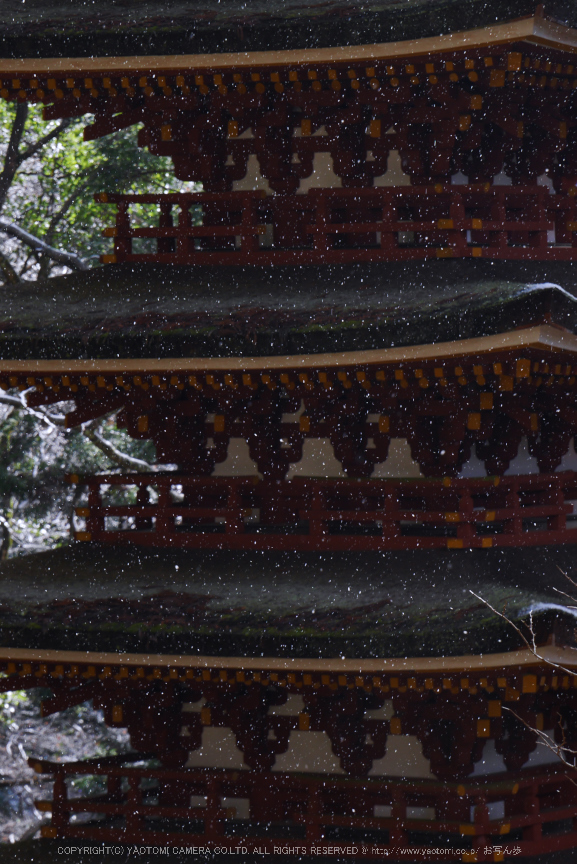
[
  {"x": 333, "y": 192},
  {"x": 177, "y": 197},
  {"x": 464, "y": 513},
  {"x": 507, "y": 222},
  {"x": 497, "y": 783},
  {"x": 519, "y": 482}
]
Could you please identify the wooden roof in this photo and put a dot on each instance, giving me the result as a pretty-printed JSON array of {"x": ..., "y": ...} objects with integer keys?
[
  {"x": 531, "y": 31},
  {"x": 350, "y": 606},
  {"x": 57, "y": 28},
  {"x": 507, "y": 660},
  {"x": 213, "y": 318},
  {"x": 545, "y": 339}
]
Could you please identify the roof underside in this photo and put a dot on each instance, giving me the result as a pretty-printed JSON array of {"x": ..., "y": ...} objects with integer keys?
[{"x": 68, "y": 28}]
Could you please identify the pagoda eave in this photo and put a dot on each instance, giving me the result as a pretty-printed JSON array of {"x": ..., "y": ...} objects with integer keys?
[
  {"x": 533, "y": 30},
  {"x": 542, "y": 339},
  {"x": 504, "y": 663}
]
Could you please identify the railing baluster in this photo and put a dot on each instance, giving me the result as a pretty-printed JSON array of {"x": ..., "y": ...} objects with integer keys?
[
  {"x": 234, "y": 521},
  {"x": 60, "y": 814},
  {"x": 184, "y": 240},
  {"x": 165, "y": 244},
  {"x": 95, "y": 524},
  {"x": 164, "y": 521},
  {"x": 123, "y": 240},
  {"x": 132, "y": 809},
  {"x": 535, "y": 799}
]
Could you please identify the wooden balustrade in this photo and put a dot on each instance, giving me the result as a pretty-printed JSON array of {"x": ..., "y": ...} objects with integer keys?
[
  {"x": 148, "y": 805},
  {"x": 348, "y": 225},
  {"x": 309, "y": 513}
]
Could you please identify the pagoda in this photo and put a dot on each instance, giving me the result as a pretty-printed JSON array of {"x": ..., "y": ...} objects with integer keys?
[{"x": 355, "y": 351}]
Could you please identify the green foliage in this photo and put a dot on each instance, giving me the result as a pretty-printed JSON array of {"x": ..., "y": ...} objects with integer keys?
[
  {"x": 35, "y": 500},
  {"x": 87, "y": 785},
  {"x": 9, "y": 702},
  {"x": 52, "y": 195}
]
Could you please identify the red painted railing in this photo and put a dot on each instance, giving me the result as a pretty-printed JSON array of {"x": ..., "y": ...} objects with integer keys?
[
  {"x": 245, "y": 513},
  {"x": 538, "y": 812},
  {"x": 347, "y": 225}
]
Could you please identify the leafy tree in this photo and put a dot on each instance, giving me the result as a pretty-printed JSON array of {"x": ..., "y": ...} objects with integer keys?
[
  {"x": 47, "y": 184},
  {"x": 50, "y": 225}
]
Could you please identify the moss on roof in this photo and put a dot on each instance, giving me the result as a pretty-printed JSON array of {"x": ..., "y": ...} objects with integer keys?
[
  {"x": 166, "y": 311},
  {"x": 417, "y": 603}
]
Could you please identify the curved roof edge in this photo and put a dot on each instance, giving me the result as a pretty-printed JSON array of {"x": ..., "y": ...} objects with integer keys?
[
  {"x": 548, "y": 655},
  {"x": 51, "y": 28},
  {"x": 534, "y": 30},
  {"x": 545, "y": 337}
]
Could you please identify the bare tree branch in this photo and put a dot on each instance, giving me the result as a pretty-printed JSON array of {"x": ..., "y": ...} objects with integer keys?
[
  {"x": 70, "y": 259},
  {"x": 57, "y": 217},
  {"x": 15, "y": 156},
  {"x": 72, "y": 509},
  {"x": 63, "y": 210},
  {"x": 568, "y": 596},
  {"x": 90, "y": 431},
  {"x": 565, "y": 754},
  {"x": 12, "y": 400},
  {"x": 6, "y": 535},
  {"x": 41, "y": 414}
]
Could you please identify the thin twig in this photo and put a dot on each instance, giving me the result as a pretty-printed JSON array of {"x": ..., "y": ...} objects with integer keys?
[
  {"x": 532, "y": 645},
  {"x": 564, "y": 594},
  {"x": 35, "y": 147},
  {"x": 568, "y": 578},
  {"x": 545, "y": 740},
  {"x": 89, "y": 430}
]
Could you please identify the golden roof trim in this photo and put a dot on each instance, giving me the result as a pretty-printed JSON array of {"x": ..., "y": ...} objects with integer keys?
[{"x": 551, "y": 656}]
